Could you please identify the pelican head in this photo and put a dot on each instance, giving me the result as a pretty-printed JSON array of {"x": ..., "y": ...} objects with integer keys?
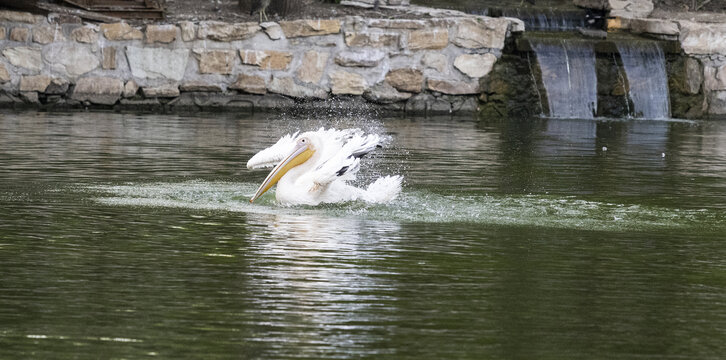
[{"x": 303, "y": 150}]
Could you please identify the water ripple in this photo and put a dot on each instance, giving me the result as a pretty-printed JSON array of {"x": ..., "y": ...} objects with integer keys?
[{"x": 420, "y": 206}]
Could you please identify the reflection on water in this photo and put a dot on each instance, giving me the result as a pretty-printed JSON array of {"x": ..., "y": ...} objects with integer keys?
[
  {"x": 318, "y": 270},
  {"x": 127, "y": 236}
]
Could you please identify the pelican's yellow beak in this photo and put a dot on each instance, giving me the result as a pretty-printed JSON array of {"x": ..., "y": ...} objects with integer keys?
[{"x": 299, "y": 155}]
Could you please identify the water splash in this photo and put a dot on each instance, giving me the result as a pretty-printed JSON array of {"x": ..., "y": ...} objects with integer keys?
[
  {"x": 418, "y": 206},
  {"x": 644, "y": 64},
  {"x": 568, "y": 74}
]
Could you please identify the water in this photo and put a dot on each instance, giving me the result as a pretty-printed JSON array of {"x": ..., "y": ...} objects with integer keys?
[
  {"x": 644, "y": 65},
  {"x": 568, "y": 75},
  {"x": 130, "y": 236},
  {"x": 547, "y": 19}
]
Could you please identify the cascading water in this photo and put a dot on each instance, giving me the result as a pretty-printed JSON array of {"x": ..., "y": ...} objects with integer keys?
[
  {"x": 568, "y": 74},
  {"x": 548, "y": 20},
  {"x": 644, "y": 64}
]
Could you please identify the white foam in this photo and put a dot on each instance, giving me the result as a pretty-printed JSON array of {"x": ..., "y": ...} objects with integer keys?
[{"x": 419, "y": 206}]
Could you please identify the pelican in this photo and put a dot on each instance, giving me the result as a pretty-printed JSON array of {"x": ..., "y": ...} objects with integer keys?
[{"x": 314, "y": 167}]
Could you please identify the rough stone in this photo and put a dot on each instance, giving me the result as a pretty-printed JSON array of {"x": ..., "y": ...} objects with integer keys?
[
  {"x": 98, "y": 90},
  {"x": 714, "y": 78},
  {"x": 17, "y": 16},
  {"x": 130, "y": 89},
  {"x": 160, "y": 33},
  {"x": 141, "y": 103},
  {"x": 85, "y": 34},
  {"x": 372, "y": 3},
  {"x": 373, "y": 39},
  {"x": 436, "y": 38},
  {"x": 397, "y": 24},
  {"x": 221, "y": 31},
  {"x": 4, "y": 74},
  {"x": 593, "y": 4},
  {"x": 382, "y": 93},
  {"x": 47, "y": 34},
  {"x": 109, "y": 58},
  {"x": 250, "y": 84},
  {"x": 618, "y": 23},
  {"x": 57, "y": 86},
  {"x": 619, "y": 89},
  {"x": 312, "y": 66},
  {"x": 346, "y": 83},
  {"x": 30, "y": 97},
  {"x": 361, "y": 58},
  {"x": 298, "y": 28},
  {"x": 154, "y": 63},
  {"x": 475, "y": 65},
  {"x": 20, "y": 34},
  {"x": 477, "y": 33},
  {"x": 419, "y": 102},
  {"x": 703, "y": 39},
  {"x": 631, "y": 8},
  {"x": 34, "y": 83},
  {"x": 438, "y": 105},
  {"x": 287, "y": 86},
  {"x": 273, "y": 30},
  {"x": 200, "y": 86},
  {"x": 464, "y": 103},
  {"x": 409, "y": 80},
  {"x": 515, "y": 25},
  {"x": 166, "y": 90},
  {"x": 60, "y": 19},
  {"x": 2, "y": 33},
  {"x": 654, "y": 26},
  {"x": 25, "y": 57},
  {"x": 717, "y": 103},
  {"x": 266, "y": 59},
  {"x": 121, "y": 31},
  {"x": 618, "y": 4},
  {"x": 70, "y": 59},
  {"x": 694, "y": 76},
  {"x": 435, "y": 61},
  {"x": 593, "y": 33},
  {"x": 215, "y": 61},
  {"x": 188, "y": 30},
  {"x": 453, "y": 87}
]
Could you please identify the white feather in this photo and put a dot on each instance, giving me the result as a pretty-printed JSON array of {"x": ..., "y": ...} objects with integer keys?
[{"x": 384, "y": 189}]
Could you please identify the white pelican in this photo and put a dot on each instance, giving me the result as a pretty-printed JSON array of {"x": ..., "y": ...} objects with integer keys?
[{"x": 315, "y": 168}]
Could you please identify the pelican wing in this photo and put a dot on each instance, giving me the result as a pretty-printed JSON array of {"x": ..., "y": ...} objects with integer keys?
[
  {"x": 344, "y": 162},
  {"x": 274, "y": 154}
]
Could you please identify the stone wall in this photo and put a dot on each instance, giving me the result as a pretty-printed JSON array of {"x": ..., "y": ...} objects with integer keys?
[
  {"x": 431, "y": 64},
  {"x": 621, "y": 8}
]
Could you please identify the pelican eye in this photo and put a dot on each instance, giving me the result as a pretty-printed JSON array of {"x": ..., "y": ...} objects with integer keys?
[{"x": 302, "y": 141}]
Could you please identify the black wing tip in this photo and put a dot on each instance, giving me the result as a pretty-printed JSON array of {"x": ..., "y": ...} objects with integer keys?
[{"x": 342, "y": 170}]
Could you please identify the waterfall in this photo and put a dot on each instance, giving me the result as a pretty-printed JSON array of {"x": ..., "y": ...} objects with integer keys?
[
  {"x": 547, "y": 19},
  {"x": 569, "y": 77},
  {"x": 644, "y": 64}
]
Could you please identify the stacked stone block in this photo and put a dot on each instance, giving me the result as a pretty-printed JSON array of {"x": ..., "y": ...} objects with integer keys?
[{"x": 432, "y": 64}]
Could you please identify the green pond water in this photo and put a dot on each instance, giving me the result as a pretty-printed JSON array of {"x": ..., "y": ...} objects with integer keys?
[{"x": 131, "y": 236}]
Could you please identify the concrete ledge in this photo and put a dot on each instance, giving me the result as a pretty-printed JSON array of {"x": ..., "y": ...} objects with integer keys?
[{"x": 605, "y": 46}]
